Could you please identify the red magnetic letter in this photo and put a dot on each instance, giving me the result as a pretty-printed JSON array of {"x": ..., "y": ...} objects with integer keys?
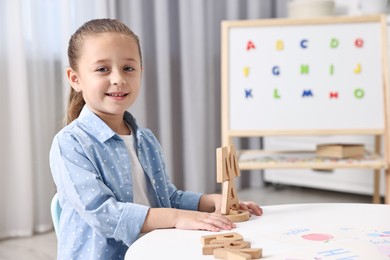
[
  {"x": 250, "y": 45},
  {"x": 359, "y": 43}
]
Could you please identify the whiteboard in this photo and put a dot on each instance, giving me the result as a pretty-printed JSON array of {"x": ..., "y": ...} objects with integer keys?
[{"x": 313, "y": 75}]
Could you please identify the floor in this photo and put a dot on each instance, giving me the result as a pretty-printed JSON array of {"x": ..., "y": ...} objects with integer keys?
[{"x": 43, "y": 247}]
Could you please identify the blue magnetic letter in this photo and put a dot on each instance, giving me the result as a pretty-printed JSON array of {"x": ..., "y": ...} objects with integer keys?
[
  {"x": 275, "y": 70},
  {"x": 248, "y": 93},
  {"x": 304, "y": 43},
  {"x": 307, "y": 93}
]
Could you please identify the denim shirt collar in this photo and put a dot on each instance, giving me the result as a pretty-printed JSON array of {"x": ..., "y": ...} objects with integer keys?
[{"x": 99, "y": 128}]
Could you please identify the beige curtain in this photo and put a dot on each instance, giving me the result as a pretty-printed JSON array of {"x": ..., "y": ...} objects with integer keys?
[{"x": 179, "y": 101}]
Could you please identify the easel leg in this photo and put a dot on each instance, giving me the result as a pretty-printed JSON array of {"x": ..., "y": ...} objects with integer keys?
[
  {"x": 376, "y": 197},
  {"x": 387, "y": 186}
]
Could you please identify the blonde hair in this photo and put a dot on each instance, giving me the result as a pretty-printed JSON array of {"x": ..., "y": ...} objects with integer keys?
[{"x": 91, "y": 28}]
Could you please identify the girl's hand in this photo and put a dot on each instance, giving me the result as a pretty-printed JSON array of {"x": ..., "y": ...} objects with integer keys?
[
  {"x": 252, "y": 207},
  {"x": 196, "y": 220},
  {"x": 212, "y": 203}
]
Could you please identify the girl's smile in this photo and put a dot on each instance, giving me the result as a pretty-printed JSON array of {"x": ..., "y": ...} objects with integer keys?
[{"x": 117, "y": 94}]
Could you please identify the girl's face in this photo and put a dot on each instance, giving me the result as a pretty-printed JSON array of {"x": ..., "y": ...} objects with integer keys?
[{"x": 109, "y": 74}]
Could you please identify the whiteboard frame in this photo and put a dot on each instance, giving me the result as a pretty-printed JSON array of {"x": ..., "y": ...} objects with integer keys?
[{"x": 227, "y": 133}]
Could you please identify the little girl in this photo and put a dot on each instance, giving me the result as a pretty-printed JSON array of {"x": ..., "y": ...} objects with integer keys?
[{"x": 109, "y": 172}]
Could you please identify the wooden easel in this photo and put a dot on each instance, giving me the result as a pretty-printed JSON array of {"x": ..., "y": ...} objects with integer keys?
[
  {"x": 227, "y": 170},
  {"x": 263, "y": 113}
]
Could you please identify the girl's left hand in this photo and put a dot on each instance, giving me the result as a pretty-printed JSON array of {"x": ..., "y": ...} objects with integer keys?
[{"x": 252, "y": 207}]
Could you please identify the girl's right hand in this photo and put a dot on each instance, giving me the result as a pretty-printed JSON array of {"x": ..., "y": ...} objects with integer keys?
[{"x": 195, "y": 220}]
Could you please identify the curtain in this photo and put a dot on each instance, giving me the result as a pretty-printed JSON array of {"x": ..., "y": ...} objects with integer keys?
[{"x": 179, "y": 100}]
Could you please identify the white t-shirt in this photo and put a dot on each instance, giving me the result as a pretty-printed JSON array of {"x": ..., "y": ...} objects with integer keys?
[{"x": 140, "y": 190}]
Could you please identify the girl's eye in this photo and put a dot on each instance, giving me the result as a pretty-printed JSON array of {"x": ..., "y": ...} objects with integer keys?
[
  {"x": 128, "y": 68},
  {"x": 102, "y": 69}
]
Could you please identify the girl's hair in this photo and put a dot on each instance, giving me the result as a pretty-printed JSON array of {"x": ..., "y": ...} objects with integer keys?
[{"x": 91, "y": 28}]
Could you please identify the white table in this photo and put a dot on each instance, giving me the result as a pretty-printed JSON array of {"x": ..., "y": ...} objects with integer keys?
[{"x": 296, "y": 231}]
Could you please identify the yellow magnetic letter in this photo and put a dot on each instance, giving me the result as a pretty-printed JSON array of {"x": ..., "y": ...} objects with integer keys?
[
  {"x": 246, "y": 71},
  {"x": 358, "y": 69},
  {"x": 279, "y": 45}
]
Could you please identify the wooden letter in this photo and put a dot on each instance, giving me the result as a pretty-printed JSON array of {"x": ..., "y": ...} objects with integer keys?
[
  {"x": 231, "y": 240},
  {"x": 206, "y": 240},
  {"x": 254, "y": 253},
  {"x": 227, "y": 170}
]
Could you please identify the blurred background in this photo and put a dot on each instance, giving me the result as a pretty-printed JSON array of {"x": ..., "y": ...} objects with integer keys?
[{"x": 179, "y": 101}]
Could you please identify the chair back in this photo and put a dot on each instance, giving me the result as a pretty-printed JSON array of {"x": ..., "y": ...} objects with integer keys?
[{"x": 55, "y": 209}]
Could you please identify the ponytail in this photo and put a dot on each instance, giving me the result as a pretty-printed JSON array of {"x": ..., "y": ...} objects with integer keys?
[{"x": 75, "y": 105}]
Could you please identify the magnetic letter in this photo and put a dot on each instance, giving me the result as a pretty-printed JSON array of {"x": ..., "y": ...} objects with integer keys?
[
  {"x": 334, "y": 95},
  {"x": 359, "y": 43},
  {"x": 304, "y": 44},
  {"x": 359, "y": 93},
  {"x": 304, "y": 69},
  {"x": 276, "y": 94},
  {"x": 275, "y": 70},
  {"x": 331, "y": 69},
  {"x": 248, "y": 93},
  {"x": 307, "y": 93},
  {"x": 334, "y": 43},
  {"x": 250, "y": 45},
  {"x": 279, "y": 45},
  {"x": 246, "y": 71},
  {"x": 358, "y": 69}
]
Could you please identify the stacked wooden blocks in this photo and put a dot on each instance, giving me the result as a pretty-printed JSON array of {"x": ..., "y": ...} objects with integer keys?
[{"x": 229, "y": 246}]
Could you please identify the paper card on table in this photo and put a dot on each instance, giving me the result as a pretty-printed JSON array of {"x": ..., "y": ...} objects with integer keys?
[
  {"x": 339, "y": 250},
  {"x": 301, "y": 236}
]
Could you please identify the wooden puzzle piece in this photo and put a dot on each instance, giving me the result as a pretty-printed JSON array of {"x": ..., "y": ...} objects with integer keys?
[
  {"x": 227, "y": 171},
  {"x": 238, "y": 215},
  {"x": 229, "y": 246},
  {"x": 212, "y": 242},
  {"x": 233, "y": 236},
  {"x": 217, "y": 244},
  {"x": 234, "y": 255},
  {"x": 244, "y": 253}
]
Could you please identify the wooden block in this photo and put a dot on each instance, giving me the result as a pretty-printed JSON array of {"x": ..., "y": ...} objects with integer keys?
[
  {"x": 254, "y": 253},
  {"x": 231, "y": 244},
  {"x": 233, "y": 236},
  {"x": 234, "y": 254},
  {"x": 229, "y": 197},
  {"x": 237, "y": 256},
  {"x": 237, "y": 244},
  {"x": 209, "y": 249},
  {"x": 227, "y": 171},
  {"x": 340, "y": 150},
  {"x": 226, "y": 201},
  {"x": 227, "y": 240},
  {"x": 223, "y": 164},
  {"x": 234, "y": 161},
  {"x": 238, "y": 215},
  {"x": 218, "y": 244}
]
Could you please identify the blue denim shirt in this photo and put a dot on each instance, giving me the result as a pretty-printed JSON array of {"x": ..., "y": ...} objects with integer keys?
[{"x": 91, "y": 168}]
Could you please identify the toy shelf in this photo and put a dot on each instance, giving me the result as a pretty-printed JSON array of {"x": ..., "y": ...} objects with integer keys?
[{"x": 260, "y": 159}]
